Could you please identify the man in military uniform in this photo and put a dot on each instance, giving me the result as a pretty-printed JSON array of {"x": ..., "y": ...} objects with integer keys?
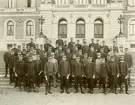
[{"x": 128, "y": 58}]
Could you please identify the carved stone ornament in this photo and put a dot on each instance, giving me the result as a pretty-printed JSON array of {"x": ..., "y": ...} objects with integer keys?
[{"x": 20, "y": 20}]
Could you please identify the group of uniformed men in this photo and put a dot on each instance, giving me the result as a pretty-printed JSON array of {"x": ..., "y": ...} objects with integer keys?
[{"x": 80, "y": 65}]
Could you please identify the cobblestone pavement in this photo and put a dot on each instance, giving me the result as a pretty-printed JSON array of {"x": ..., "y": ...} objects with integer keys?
[{"x": 15, "y": 97}]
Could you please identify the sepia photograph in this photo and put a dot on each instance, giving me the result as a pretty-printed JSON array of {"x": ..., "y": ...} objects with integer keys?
[{"x": 67, "y": 52}]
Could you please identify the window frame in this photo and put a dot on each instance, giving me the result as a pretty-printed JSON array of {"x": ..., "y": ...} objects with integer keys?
[
  {"x": 133, "y": 28},
  {"x": 80, "y": 35},
  {"x": 31, "y": 26},
  {"x": 62, "y": 25},
  {"x": 99, "y": 24},
  {"x": 13, "y": 26}
]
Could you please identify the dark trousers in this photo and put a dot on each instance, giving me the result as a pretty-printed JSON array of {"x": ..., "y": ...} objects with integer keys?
[
  {"x": 129, "y": 72},
  {"x": 124, "y": 81},
  {"x": 113, "y": 82},
  {"x": 20, "y": 80},
  {"x": 90, "y": 83},
  {"x": 6, "y": 69},
  {"x": 49, "y": 83},
  {"x": 104, "y": 83},
  {"x": 64, "y": 82},
  {"x": 11, "y": 74},
  {"x": 38, "y": 80},
  {"x": 78, "y": 81},
  {"x": 31, "y": 81},
  {"x": 84, "y": 82}
]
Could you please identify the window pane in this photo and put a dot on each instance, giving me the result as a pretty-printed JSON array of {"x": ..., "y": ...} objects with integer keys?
[
  {"x": 28, "y": 3},
  {"x": 98, "y": 29},
  {"x": 10, "y": 28}
]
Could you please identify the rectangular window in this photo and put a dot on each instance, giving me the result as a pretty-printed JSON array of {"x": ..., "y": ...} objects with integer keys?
[
  {"x": 98, "y": 31},
  {"x": 10, "y": 30},
  {"x": 63, "y": 30},
  {"x": 29, "y": 3},
  {"x": 132, "y": 45},
  {"x": 9, "y": 45},
  {"x": 29, "y": 30},
  {"x": 80, "y": 31},
  {"x": 132, "y": 29}
]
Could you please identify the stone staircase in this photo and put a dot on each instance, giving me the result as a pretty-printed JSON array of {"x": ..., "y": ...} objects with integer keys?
[{"x": 4, "y": 82}]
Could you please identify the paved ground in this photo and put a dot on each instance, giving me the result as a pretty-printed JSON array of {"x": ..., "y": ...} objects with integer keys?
[{"x": 10, "y": 97}]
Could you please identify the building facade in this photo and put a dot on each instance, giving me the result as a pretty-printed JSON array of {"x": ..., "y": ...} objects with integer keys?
[{"x": 98, "y": 19}]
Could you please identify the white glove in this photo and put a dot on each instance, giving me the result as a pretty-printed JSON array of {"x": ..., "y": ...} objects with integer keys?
[{"x": 68, "y": 76}]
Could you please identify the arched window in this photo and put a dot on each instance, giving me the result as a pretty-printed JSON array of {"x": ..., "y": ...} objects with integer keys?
[
  {"x": 98, "y": 28},
  {"x": 132, "y": 27},
  {"x": 80, "y": 28},
  {"x": 29, "y": 28},
  {"x": 62, "y": 28},
  {"x": 10, "y": 28}
]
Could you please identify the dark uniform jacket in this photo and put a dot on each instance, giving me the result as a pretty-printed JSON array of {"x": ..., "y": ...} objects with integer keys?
[
  {"x": 104, "y": 70},
  {"x": 106, "y": 49},
  {"x": 84, "y": 62},
  {"x": 114, "y": 69},
  {"x": 38, "y": 66},
  {"x": 123, "y": 68},
  {"x": 49, "y": 69},
  {"x": 64, "y": 68},
  {"x": 78, "y": 71},
  {"x": 70, "y": 44},
  {"x": 73, "y": 65},
  {"x": 6, "y": 56},
  {"x": 79, "y": 46},
  {"x": 30, "y": 69},
  {"x": 85, "y": 49},
  {"x": 128, "y": 59},
  {"x": 115, "y": 49},
  {"x": 90, "y": 69},
  {"x": 97, "y": 47},
  {"x": 12, "y": 61},
  {"x": 92, "y": 45},
  {"x": 69, "y": 57},
  {"x": 93, "y": 55},
  {"x": 31, "y": 44},
  {"x": 20, "y": 67},
  {"x": 65, "y": 47},
  {"x": 59, "y": 42}
]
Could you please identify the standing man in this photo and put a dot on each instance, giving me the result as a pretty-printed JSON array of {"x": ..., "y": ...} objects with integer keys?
[
  {"x": 11, "y": 65},
  {"x": 128, "y": 58},
  {"x": 92, "y": 44},
  {"x": 49, "y": 71},
  {"x": 78, "y": 45},
  {"x": 64, "y": 72},
  {"x": 78, "y": 73},
  {"x": 59, "y": 41},
  {"x": 97, "y": 46},
  {"x": 90, "y": 74},
  {"x": 5, "y": 57},
  {"x": 105, "y": 47},
  {"x": 123, "y": 67},
  {"x": 115, "y": 47},
  {"x": 32, "y": 44},
  {"x": 114, "y": 73},
  {"x": 104, "y": 71},
  {"x": 70, "y": 44}
]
